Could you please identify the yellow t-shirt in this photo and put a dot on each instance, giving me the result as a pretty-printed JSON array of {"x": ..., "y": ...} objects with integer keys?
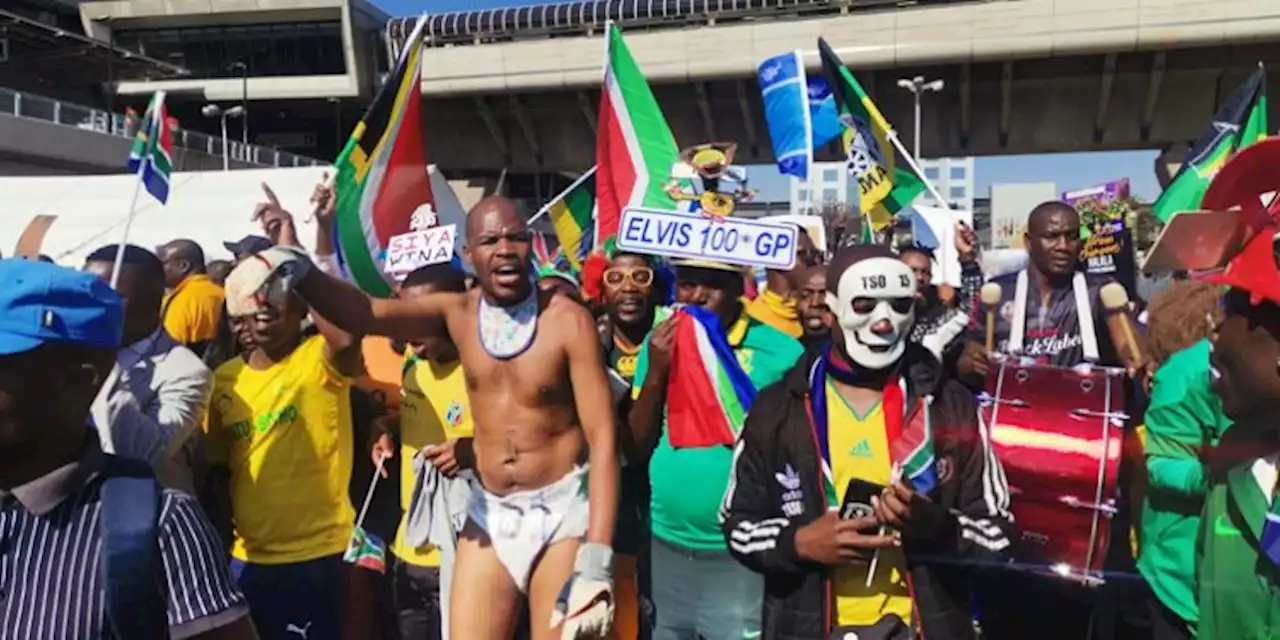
[
  {"x": 860, "y": 449},
  {"x": 193, "y": 310},
  {"x": 285, "y": 433},
  {"x": 434, "y": 408}
]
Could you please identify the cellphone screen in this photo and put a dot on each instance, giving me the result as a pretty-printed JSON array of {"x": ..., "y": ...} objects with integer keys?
[{"x": 857, "y": 498}]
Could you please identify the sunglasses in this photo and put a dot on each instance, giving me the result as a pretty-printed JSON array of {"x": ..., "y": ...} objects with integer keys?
[{"x": 617, "y": 277}]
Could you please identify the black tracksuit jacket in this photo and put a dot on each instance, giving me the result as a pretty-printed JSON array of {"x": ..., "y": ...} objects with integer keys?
[{"x": 764, "y": 506}]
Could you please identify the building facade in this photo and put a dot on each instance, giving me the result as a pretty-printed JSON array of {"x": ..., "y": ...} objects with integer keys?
[
  {"x": 954, "y": 179},
  {"x": 828, "y": 186},
  {"x": 303, "y": 70}
]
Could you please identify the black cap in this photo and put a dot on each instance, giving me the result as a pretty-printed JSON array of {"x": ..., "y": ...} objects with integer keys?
[{"x": 248, "y": 246}]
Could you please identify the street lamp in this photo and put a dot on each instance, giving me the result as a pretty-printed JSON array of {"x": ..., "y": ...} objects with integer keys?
[
  {"x": 917, "y": 86},
  {"x": 244, "y": 100},
  {"x": 214, "y": 111}
]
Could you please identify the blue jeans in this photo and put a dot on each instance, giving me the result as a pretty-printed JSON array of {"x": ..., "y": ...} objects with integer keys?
[
  {"x": 703, "y": 595},
  {"x": 295, "y": 601}
]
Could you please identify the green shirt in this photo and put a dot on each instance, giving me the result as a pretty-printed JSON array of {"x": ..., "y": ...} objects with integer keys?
[
  {"x": 687, "y": 485},
  {"x": 1184, "y": 418},
  {"x": 1239, "y": 587}
]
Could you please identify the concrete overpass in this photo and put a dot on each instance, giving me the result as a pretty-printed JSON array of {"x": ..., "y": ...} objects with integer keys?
[
  {"x": 44, "y": 137},
  {"x": 519, "y": 88}
]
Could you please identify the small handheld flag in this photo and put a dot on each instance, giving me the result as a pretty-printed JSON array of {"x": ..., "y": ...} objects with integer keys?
[
  {"x": 366, "y": 549},
  {"x": 151, "y": 157}
]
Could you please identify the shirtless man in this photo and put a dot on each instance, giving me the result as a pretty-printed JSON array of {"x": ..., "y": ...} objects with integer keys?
[{"x": 540, "y": 396}]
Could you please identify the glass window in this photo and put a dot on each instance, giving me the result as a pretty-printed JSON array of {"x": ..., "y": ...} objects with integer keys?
[
  {"x": 288, "y": 49},
  {"x": 958, "y": 173},
  {"x": 831, "y": 195},
  {"x": 802, "y": 195},
  {"x": 931, "y": 173},
  {"x": 830, "y": 175},
  {"x": 958, "y": 192}
]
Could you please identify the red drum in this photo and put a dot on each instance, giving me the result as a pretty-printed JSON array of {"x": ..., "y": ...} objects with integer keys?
[{"x": 1058, "y": 433}]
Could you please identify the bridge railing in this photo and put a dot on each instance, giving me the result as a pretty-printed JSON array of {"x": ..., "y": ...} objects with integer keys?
[
  {"x": 584, "y": 18},
  {"x": 28, "y": 105}
]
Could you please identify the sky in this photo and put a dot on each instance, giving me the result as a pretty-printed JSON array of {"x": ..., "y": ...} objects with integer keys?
[{"x": 1068, "y": 171}]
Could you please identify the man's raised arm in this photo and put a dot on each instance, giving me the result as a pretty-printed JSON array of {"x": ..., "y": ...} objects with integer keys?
[
  {"x": 289, "y": 270},
  {"x": 356, "y": 312}
]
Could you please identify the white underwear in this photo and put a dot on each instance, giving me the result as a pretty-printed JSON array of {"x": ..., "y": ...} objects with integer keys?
[{"x": 522, "y": 524}]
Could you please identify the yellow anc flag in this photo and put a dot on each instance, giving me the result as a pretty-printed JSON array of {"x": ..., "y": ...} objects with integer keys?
[{"x": 884, "y": 188}]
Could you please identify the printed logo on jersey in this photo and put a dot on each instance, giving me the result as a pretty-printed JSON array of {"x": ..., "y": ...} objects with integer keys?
[
  {"x": 861, "y": 450},
  {"x": 454, "y": 415},
  {"x": 1006, "y": 311}
]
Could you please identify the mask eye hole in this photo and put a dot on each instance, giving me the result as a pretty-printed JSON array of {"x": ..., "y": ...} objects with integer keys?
[
  {"x": 863, "y": 306},
  {"x": 902, "y": 305}
]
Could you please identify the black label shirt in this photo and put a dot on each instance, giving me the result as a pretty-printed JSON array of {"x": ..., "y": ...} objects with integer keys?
[{"x": 1052, "y": 333}]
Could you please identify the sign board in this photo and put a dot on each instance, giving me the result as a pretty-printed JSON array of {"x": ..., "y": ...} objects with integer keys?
[
  {"x": 1010, "y": 205},
  {"x": 733, "y": 240},
  {"x": 409, "y": 251},
  {"x": 814, "y": 224},
  {"x": 1107, "y": 247}
]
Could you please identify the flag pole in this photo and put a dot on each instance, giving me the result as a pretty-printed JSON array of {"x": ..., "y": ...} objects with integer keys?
[
  {"x": 128, "y": 226},
  {"x": 560, "y": 196},
  {"x": 906, "y": 155}
]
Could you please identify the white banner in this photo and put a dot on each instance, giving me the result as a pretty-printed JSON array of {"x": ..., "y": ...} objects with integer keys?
[
  {"x": 732, "y": 240},
  {"x": 409, "y": 251}
]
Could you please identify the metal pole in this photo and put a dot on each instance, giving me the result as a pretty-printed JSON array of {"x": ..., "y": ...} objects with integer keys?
[
  {"x": 244, "y": 104},
  {"x": 111, "y": 76},
  {"x": 226, "y": 159},
  {"x": 916, "y": 139}
]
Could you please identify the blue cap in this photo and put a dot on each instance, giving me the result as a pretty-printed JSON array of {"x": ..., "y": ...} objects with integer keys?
[{"x": 42, "y": 302}]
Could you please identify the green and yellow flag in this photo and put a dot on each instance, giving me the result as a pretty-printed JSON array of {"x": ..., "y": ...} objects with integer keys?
[
  {"x": 1240, "y": 122},
  {"x": 884, "y": 188},
  {"x": 573, "y": 215}
]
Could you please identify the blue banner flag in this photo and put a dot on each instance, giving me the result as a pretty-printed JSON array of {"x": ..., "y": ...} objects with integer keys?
[
  {"x": 823, "y": 112},
  {"x": 800, "y": 111}
]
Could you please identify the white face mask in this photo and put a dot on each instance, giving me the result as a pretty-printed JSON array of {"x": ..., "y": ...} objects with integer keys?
[{"x": 878, "y": 283}]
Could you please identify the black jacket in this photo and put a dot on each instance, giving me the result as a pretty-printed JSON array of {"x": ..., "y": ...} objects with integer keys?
[{"x": 777, "y": 488}]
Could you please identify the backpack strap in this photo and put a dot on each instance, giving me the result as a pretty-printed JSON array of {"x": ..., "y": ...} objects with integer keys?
[{"x": 131, "y": 564}]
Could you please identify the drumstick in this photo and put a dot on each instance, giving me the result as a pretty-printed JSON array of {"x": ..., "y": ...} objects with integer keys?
[
  {"x": 1116, "y": 301},
  {"x": 991, "y": 293},
  {"x": 894, "y": 477}
]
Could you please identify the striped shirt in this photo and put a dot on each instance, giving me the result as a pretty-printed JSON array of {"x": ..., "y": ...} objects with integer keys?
[{"x": 51, "y": 584}]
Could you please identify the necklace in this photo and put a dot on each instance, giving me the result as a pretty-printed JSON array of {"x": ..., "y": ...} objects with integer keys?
[{"x": 506, "y": 332}]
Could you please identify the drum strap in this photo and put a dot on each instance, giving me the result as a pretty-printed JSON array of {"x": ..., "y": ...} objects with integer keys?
[{"x": 1084, "y": 311}]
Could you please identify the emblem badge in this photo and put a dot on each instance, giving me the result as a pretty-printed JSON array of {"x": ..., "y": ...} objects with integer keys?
[{"x": 454, "y": 415}]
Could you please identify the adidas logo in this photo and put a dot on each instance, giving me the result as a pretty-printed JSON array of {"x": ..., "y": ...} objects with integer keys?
[{"x": 861, "y": 450}]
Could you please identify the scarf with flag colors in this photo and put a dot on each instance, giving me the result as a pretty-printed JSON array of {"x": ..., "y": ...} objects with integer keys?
[
  {"x": 910, "y": 440},
  {"x": 573, "y": 215},
  {"x": 635, "y": 150},
  {"x": 884, "y": 188},
  {"x": 366, "y": 550},
  {"x": 151, "y": 157},
  {"x": 382, "y": 174},
  {"x": 709, "y": 395},
  {"x": 1240, "y": 122}
]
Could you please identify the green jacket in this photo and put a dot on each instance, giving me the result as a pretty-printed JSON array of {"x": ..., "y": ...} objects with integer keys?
[
  {"x": 1239, "y": 588},
  {"x": 1183, "y": 418}
]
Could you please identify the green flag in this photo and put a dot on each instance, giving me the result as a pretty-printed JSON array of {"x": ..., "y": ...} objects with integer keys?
[{"x": 1240, "y": 122}]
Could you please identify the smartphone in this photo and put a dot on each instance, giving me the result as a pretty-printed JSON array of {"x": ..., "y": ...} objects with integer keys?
[{"x": 857, "y": 499}]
